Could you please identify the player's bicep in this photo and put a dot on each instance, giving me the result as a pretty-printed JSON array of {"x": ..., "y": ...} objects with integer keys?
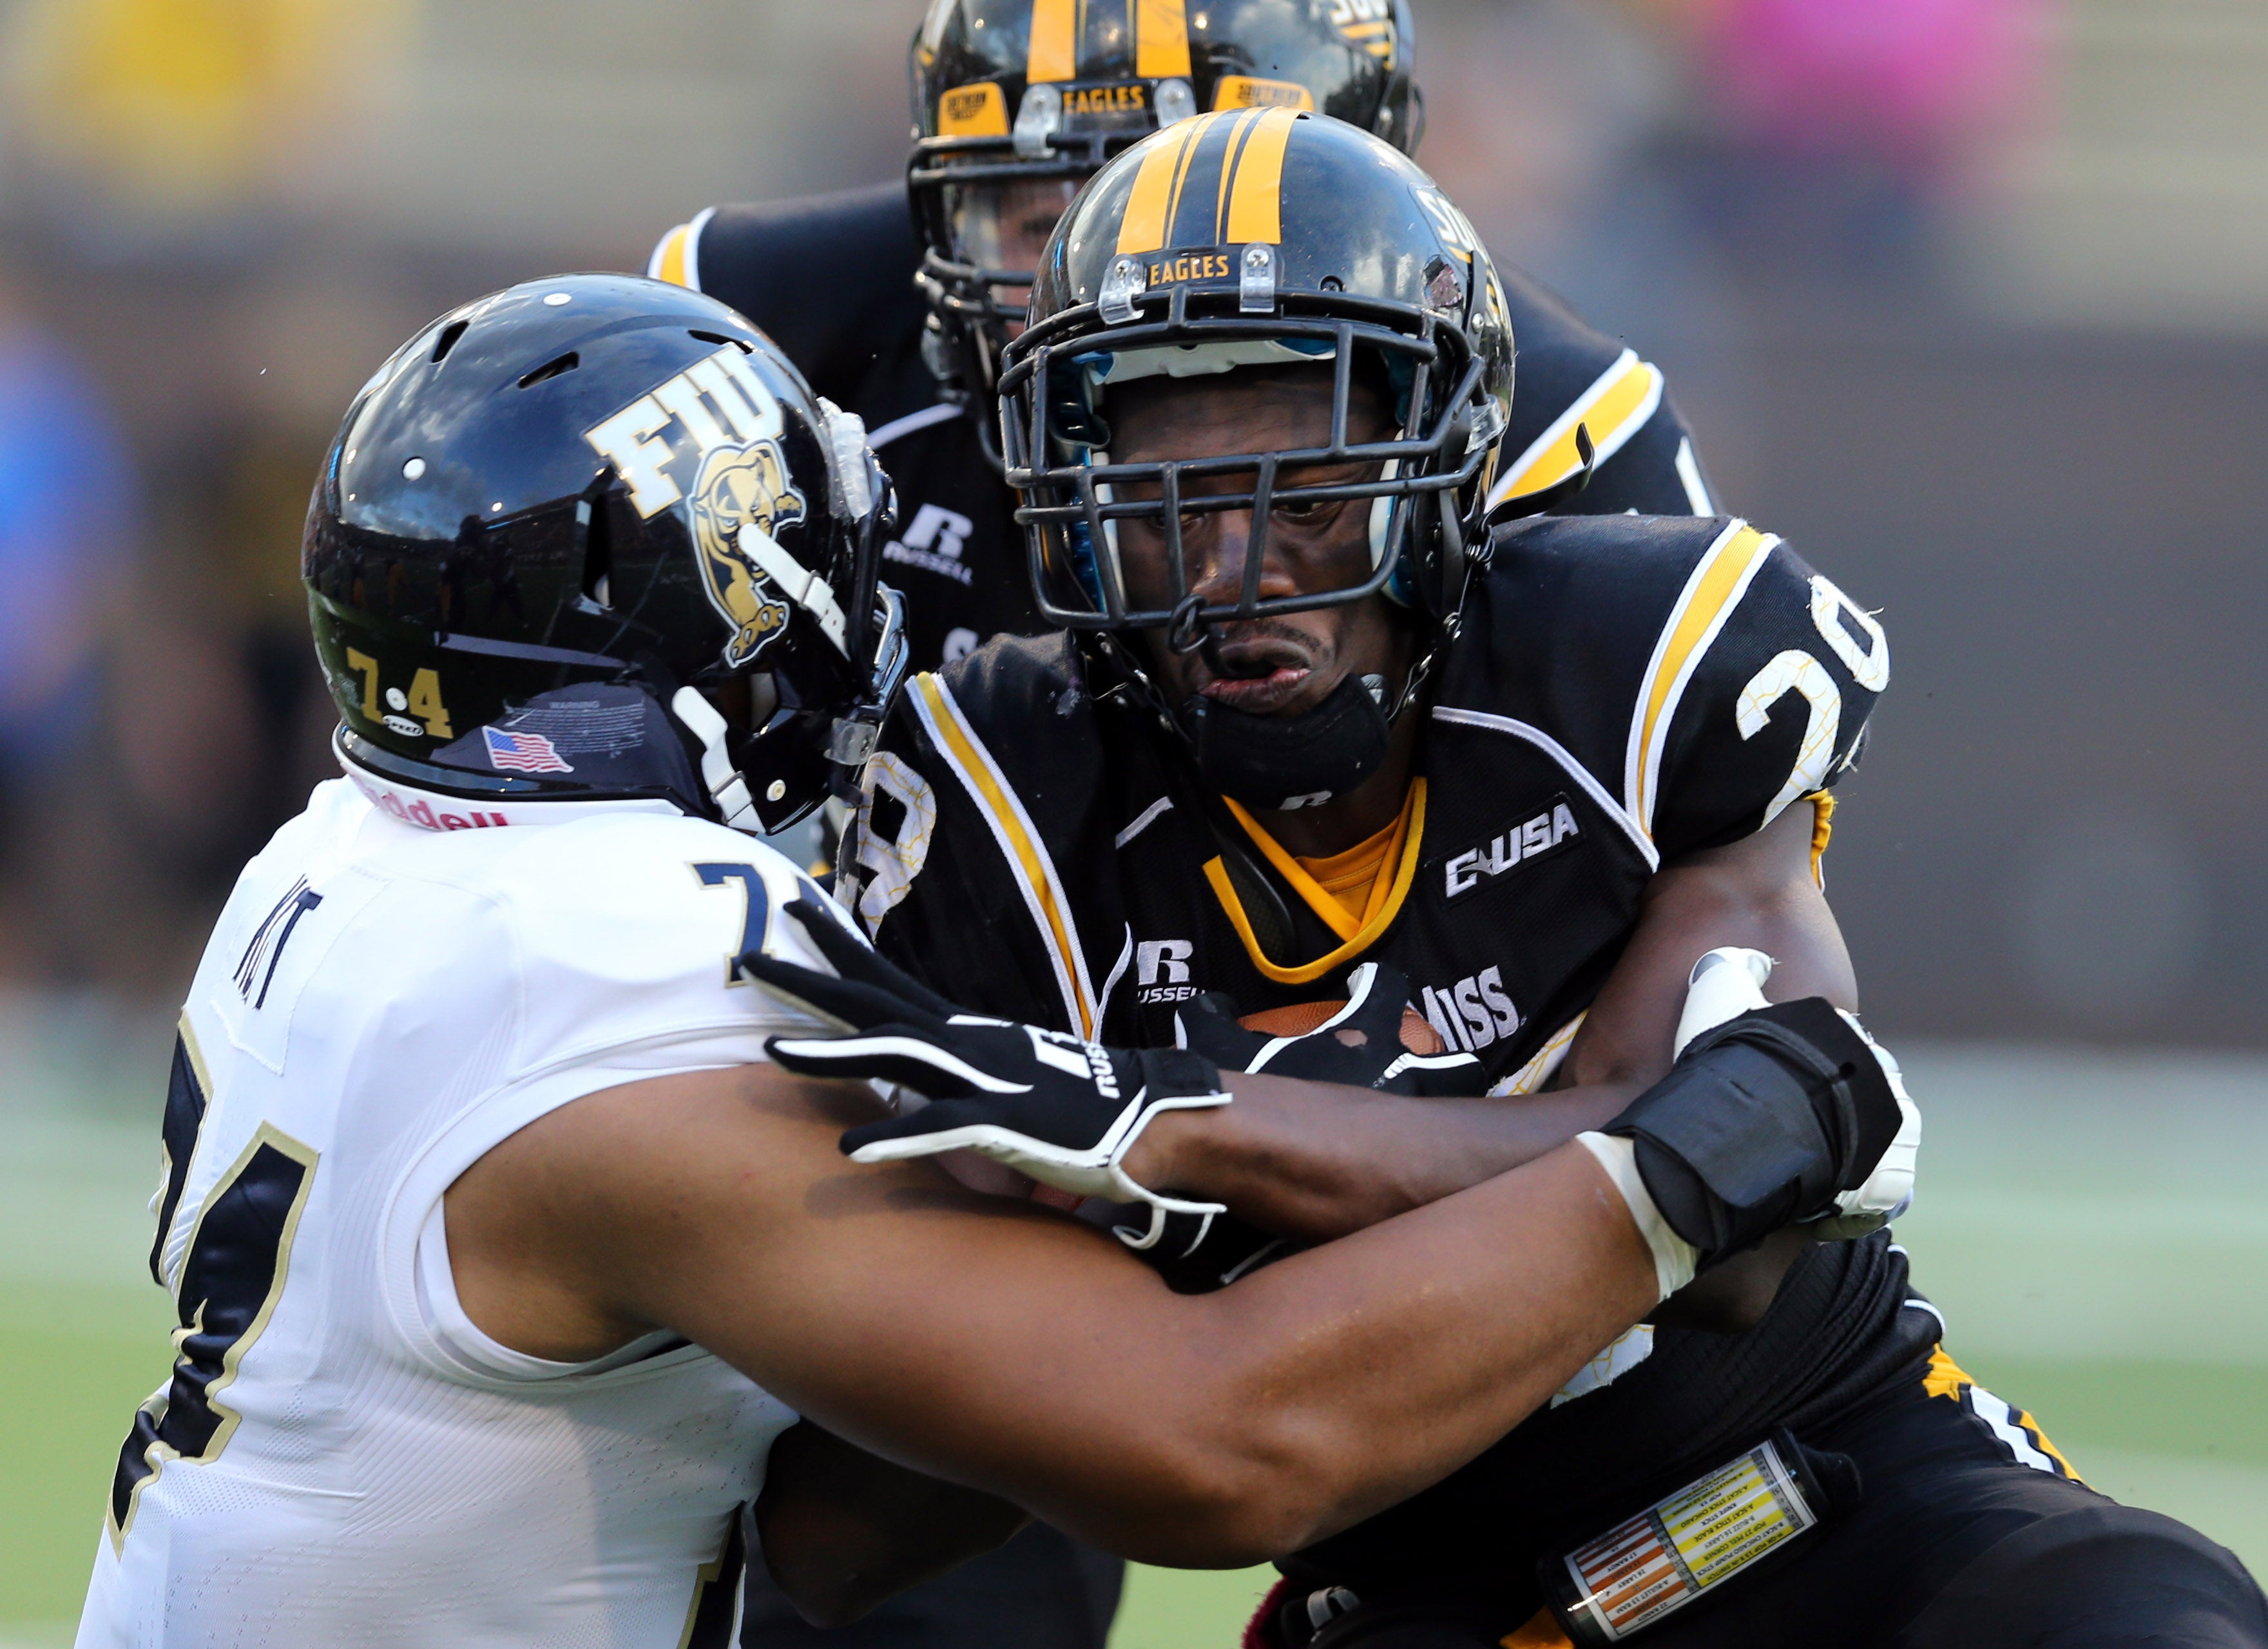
[
  {"x": 930, "y": 1324},
  {"x": 1759, "y": 893}
]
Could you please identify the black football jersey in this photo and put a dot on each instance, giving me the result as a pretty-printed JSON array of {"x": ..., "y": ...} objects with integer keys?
[
  {"x": 830, "y": 279},
  {"x": 1624, "y": 692}
]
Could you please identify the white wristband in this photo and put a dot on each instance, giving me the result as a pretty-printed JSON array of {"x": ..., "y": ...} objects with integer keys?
[{"x": 1674, "y": 1257}]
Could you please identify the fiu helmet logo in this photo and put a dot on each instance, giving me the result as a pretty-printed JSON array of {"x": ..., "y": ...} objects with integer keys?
[
  {"x": 742, "y": 487},
  {"x": 719, "y": 420}
]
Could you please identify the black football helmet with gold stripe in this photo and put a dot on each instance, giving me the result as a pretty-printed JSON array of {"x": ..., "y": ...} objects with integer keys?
[
  {"x": 1269, "y": 236},
  {"x": 563, "y": 520},
  {"x": 1017, "y": 101}
]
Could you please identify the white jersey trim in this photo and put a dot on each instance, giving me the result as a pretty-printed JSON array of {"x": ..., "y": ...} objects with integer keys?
[
  {"x": 487, "y": 1122},
  {"x": 879, "y": 438},
  {"x": 1565, "y": 758},
  {"x": 1708, "y": 600},
  {"x": 446, "y": 1320}
]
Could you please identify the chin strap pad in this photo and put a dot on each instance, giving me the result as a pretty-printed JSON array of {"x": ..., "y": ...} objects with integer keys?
[{"x": 726, "y": 786}]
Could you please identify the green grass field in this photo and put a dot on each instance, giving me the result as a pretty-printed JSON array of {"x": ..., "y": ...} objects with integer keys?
[{"x": 2090, "y": 1224}]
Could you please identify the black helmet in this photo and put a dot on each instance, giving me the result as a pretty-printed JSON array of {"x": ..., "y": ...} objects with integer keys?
[
  {"x": 1265, "y": 238},
  {"x": 1015, "y": 91},
  {"x": 556, "y": 509}
]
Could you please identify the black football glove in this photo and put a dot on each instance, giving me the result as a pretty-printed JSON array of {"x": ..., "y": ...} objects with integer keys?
[
  {"x": 1360, "y": 1046},
  {"x": 1061, "y": 1110}
]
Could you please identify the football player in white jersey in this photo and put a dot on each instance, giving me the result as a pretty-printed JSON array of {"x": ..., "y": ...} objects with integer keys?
[{"x": 503, "y": 1256}]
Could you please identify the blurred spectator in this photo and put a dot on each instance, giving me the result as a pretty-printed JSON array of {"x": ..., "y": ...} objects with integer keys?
[
  {"x": 67, "y": 509},
  {"x": 1911, "y": 84}
]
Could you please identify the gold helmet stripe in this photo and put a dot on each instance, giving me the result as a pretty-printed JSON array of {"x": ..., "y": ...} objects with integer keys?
[
  {"x": 1053, "y": 53},
  {"x": 1142, "y": 228},
  {"x": 1156, "y": 191},
  {"x": 1199, "y": 129},
  {"x": 1236, "y": 140},
  {"x": 1161, "y": 38},
  {"x": 1255, "y": 197}
]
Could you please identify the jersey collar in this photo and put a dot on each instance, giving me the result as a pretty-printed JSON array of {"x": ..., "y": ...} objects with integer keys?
[{"x": 433, "y": 810}]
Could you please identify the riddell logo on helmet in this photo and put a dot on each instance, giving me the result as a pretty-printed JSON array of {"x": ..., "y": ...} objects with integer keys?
[{"x": 675, "y": 441}]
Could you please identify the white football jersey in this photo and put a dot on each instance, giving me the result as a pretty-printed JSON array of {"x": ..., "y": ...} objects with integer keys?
[{"x": 400, "y": 981}]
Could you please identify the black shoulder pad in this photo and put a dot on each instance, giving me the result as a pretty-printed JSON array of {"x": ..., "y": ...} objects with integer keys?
[
  {"x": 979, "y": 858},
  {"x": 1775, "y": 702},
  {"x": 829, "y": 277},
  {"x": 1647, "y": 460},
  {"x": 1559, "y": 633},
  {"x": 1696, "y": 666}
]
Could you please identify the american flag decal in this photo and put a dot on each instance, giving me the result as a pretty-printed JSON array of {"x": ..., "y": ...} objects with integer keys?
[{"x": 522, "y": 751}]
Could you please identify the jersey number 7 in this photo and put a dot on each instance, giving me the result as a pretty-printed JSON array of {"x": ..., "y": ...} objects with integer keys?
[{"x": 232, "y": 1276}]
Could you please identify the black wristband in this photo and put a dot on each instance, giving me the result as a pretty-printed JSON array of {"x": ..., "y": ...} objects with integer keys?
[{"x": 1762, "y": 1121}]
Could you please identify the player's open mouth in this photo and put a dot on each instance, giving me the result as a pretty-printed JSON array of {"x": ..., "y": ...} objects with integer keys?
[{"x": 1259, "y": 695}]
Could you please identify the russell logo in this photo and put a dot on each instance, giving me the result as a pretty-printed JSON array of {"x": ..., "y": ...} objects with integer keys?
[{"x": 1161, "y": 970}]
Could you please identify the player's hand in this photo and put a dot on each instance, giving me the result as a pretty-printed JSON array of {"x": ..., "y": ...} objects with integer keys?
[
  {"x": 1063, "y": 1110},
  {"x": 1729, "y": 981},
  {"x": 1360, "y": 1046}
]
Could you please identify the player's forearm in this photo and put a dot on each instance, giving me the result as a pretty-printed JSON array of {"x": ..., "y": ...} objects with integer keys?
[
  {"x": 1315, "y": 1162},
  {"x": 1339, "y": 1382}
]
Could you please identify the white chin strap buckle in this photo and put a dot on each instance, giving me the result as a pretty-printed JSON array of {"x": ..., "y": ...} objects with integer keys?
[{"x": 727, "y": 787}]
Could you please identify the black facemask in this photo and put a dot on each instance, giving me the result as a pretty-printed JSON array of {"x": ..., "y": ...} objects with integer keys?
[{"x": 1279, "y": 762}]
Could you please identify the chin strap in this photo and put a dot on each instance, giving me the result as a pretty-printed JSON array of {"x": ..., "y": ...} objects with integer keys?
[
  {"x": 727, "y": 788},
  {"x": 799, "y": 583}
]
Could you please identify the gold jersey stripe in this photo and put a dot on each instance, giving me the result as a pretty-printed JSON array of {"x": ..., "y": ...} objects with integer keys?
[
  {"x": 1325, "y": 903},
  {"x": 1945, "y": 1378},
  {"x": 1320, "y": 901},
  {"x": 1256, "y": 199},
  {"x": 2024, "y": 1419},
  {"x": 1717, "y": 584},
  {"x": 669, "y": 257},
  {"x": 1822, "y": 831},
  {"x": 1053, "y": 52},
  {"x": 1614, "y": 409},
  {"x": 1537, "y": 1072},
  {"x": 1028, "y": 860},
  {"x": 1161, "y": 38}
]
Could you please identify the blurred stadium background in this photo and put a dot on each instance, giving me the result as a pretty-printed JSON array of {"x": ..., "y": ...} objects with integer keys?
[{"x": 1969, "y": 297}]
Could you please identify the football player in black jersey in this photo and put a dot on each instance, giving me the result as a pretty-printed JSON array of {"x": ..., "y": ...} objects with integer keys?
[
  {"x": 900, "y": 317},
  {"x": 1015, "y": 103},
  {"x": 1311, "y": 710}
]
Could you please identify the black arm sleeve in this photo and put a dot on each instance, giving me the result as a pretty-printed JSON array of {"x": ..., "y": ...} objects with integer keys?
[{"x": 828, "y": 277}]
